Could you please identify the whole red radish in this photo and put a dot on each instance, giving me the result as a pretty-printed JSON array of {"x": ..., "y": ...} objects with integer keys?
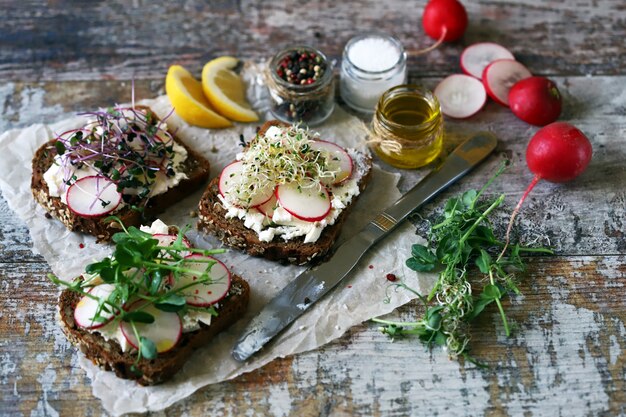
[
  {"x": 558, "y": 152},
  {"x": 535, "y": 100},
  {"x": 444, "y": 20}
]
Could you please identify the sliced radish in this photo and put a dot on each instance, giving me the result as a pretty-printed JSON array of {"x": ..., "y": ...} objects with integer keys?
[
  {"x": 87, "y": 307},
  {"x": 476, "y": 57},
  {"x": 460, "y": 96},
  {"x": 168, "y": 240},
  {"x": 93, "y": 196},
  {"x": 308, "y": 204},
  {"x": 339, "y": 161},
  {"x": 164, "y": 332},
  {"x": 204, "y": 295},
  {"x": 268, "y": 207},
  {"x": 499, "y": 77},
  {"x": 230, "y": 178}
]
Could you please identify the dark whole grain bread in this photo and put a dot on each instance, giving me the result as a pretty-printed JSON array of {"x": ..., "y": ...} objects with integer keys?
[
  {"x": 195, "y": 166},
  {"x": 108, "y": 354},
  {"x": 232, "y": 232}
]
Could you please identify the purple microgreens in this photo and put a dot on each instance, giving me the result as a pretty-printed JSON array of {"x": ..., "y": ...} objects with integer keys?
[{"x": 123, "y": 144}]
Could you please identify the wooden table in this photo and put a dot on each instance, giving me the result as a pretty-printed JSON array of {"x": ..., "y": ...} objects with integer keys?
[{"x": 566, "y": 356}]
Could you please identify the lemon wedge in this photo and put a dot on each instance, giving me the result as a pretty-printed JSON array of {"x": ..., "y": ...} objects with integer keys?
[
  {"x": 185, "y": 93},
  {"x": 225, "y": 89}
]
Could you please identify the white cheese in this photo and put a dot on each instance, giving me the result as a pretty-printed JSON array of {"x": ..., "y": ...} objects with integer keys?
[
  {"x": 156, "y": 228},
  {"x": 288, "y": 227}
]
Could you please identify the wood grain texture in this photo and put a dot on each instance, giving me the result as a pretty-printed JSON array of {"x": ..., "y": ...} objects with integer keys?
[
  {"x": 566, "y": 356},
  {"x": 90, "y": 40}
]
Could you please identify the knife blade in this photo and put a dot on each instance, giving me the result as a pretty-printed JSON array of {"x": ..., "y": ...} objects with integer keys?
[{"x": 311, "y": 285}]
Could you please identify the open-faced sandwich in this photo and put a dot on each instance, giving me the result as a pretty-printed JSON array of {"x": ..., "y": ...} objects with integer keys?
[
  {"x": 286, "y": 196},
  {"x": 123, "y": 161},
  {"x": 142, "y": 311}
]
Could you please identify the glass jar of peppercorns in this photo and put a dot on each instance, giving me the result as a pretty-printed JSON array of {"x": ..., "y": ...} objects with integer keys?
[{"x": 300, "y": 82}]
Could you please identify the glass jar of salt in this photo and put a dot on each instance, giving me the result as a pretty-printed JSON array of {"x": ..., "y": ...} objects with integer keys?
[{"x": 371, "y": 64}]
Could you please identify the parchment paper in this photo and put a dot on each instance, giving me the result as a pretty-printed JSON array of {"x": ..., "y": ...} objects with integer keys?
[{"x": 359, "y": 298}]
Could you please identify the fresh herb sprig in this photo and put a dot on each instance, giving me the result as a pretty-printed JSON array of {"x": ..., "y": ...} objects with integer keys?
[
  {"x": 462, "y": 238},
  {"x": 140, "y": 270}
]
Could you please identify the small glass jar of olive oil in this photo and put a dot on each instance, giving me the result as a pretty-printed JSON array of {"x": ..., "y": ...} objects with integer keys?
[{"x": 407, "y": 128}]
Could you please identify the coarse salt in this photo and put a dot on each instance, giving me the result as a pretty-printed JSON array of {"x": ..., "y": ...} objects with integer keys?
[
  {"x": 371, "y": 64},
  {"x": 374, "y": 54}
]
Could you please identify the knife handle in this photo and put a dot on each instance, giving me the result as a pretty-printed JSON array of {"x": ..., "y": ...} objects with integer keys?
[{"x": 466, "y": 156}]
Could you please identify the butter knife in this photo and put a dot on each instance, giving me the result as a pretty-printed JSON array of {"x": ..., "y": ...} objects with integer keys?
[{"x": 314, "y": 283}]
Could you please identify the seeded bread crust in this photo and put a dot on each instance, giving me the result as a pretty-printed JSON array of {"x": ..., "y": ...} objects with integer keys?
[
  {"x": 195, "y": 166},
  {"x": 108, "y": 354},
  {"x": 232, "y": 232}
]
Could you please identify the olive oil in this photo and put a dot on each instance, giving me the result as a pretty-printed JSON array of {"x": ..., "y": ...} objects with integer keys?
[{"x": 408, "y": 127}]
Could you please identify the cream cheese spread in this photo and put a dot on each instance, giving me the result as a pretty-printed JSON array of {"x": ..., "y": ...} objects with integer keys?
[{"x": 284, "y": 224}]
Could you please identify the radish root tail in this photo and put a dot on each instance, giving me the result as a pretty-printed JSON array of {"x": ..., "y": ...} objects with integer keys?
[
  {"x": 434, "y": 46},
  {"x": 507, "y": 237}
]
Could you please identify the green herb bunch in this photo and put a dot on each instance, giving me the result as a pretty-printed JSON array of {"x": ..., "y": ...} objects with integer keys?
[
  {"x": 142, "y": 270},
  {"x": 475, "y": 269}
]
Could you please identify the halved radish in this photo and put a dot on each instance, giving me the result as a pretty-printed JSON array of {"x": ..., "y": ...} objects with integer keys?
[
  {"x": 339, "y": 161},
  {"x": 164, "y": 332},
  {"x": 460, "y": 96},
  {"x": 86, "y": 308},
  {"x": 476, "y": 57},
  {"x": 230, "y": 179},
  {"x": 499, "y": 77},
  {"x": 268, "y": 207},
  {"x": 204, "y": 295},
  {"x": 93, "y": 196},
  {"x": 309, "y": 204}
]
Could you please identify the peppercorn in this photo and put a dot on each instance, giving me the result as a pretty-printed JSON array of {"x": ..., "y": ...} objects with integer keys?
[{"x": 300, "y": 67}]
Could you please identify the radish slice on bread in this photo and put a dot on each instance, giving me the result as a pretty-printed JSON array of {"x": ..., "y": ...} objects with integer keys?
[
  {"x": 164, "y": 332},
  {"x": 268, "y": 207},
  {"x": 168, "y": 240},
  {"x": 476, "y": 57},
  {"x": 229, "y": 180},
  {"x": 500, "y": 76},
  {"x": 87, "y": 307},
  {"x": 338, "y": 161},
  {"x": 309, "y": 204},
  {"x": 204, "y": 295},
  {"x": 460, "y": 96},
  {"x": 93, "y": 196}
]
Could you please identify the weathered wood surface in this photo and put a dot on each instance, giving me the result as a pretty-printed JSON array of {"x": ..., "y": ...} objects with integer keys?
[
  {"x": 567, "y": 354},
  {"x": 60, "y": 40}
]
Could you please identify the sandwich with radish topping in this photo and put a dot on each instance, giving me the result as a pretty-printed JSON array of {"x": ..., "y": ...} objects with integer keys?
[
  {"x": 286, "y": 196},
  {"x": 122, "y": 161},
  {"x": 142, "y": 311}
]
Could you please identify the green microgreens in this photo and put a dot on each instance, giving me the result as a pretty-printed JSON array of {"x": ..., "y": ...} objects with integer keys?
[
  {"x": 140, "y": 269},
  {"x": 461, "y": 239},
  {"x": 281, "y": 159}
]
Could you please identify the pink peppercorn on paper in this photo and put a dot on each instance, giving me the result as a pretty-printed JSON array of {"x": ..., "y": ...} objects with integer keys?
[{"x": 356, "y": 300}]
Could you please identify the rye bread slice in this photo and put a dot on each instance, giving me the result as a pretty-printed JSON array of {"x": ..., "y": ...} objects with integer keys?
[
  {"x": 195, "y": 166},
  {"x": 108, "y": 354},
  {"x": 233, "y": 233}
]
